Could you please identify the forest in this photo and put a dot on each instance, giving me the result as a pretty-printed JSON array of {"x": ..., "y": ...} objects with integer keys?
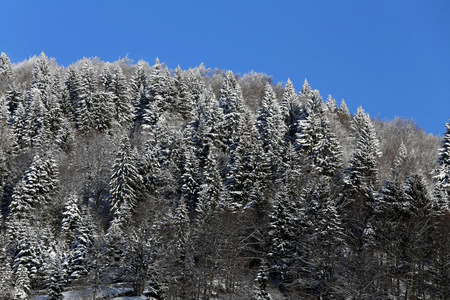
[{"x": 205, "y": 184}]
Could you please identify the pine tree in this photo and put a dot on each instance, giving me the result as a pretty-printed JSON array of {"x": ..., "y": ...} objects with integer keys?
[
  {"x": 282, "y": 237},
  {"x": 344, "y": 113},
  {"x": 321, "y": 242},
  {"x": 363, "y": 166},
  {"x": 124, "y": 183},
  {"x": 231, "y": 102},
  {"x": 261, "y": 284},
  {"x": 160, "y": 86},
  {"x": 22, "y": 284},
  {"x": 247, "y": 166},
  {"x": 332, "y": 104},
  {"x": 6, "y": 275},
  {"x": 291, "y": 111},
  {"x": 211, "y": 195},
  {"x": 54, "y": 277},
  {"x": 271, "y": 128},
  {"x": 207, "y": 125},
  {"x": 183, "y": 100},
  {"x": 443, "y": 173},
  {"x": 123, "y": 112},
  {"x": 6, "y": 74},
  {"x": 316, "y": 138},
  {"x": 190, "y": 180},
  {"x": 139, "y": 89}
]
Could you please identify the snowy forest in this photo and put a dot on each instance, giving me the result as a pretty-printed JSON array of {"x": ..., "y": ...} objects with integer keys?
[{"x": 205, "y": 184}]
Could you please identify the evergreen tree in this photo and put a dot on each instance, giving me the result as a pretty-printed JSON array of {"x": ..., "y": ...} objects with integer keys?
[
  {"x": 282, "y": 237},
  {"x": 315, "y": 137},
  {"x": 123, "y": 111},
  {"x": 271, "y": 128},
  {"x": 212, "y": 188},
  {"x": 183, "y": 100},
  {"x": 247, "y": 166},
  {"x": 6, "y": 74},
  {"x": 139, "y": 90},
  {"x": 54, "y": 277},
  {"x": 261, "y": 284},
  {"x": 291, "y": 111},
  {"x": 363, "y": 166},
  {"x": 124, "y": 183},
  {"x": 230, "y": 101},
  {"x": 332, "y": 104},
  {"x": 6, "y": 275},
  {"x": 443, "y": 172},
  {"x": 321, "y": 243},
  {"x": 190, "y": 180},
  {"x": 22, "y": 285}
]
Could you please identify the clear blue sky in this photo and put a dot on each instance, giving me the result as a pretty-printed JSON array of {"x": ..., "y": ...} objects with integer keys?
[{"x": 391, "y": 57}]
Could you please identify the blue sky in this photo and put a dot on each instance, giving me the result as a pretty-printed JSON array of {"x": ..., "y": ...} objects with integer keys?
[{"x": 390, "y": 57}]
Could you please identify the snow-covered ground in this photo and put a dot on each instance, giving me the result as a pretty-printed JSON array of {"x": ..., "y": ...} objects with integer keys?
[{"x": 112, "y": 292}]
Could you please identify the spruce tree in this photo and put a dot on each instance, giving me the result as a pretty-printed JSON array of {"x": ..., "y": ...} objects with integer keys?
[
  {"x": 124, "y": 183},
  {"x": 231, "y": 102},
  {"x": 291, "y": 111},
  {"x": 443, "y": 173},
  {"x": 316, "y": 138},
  {"x": 271, "y": 129},
  {"x": 363, "y": 166}
]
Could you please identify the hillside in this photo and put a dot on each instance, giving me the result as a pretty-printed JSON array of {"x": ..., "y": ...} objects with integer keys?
[{"x": 204, "y": 184}]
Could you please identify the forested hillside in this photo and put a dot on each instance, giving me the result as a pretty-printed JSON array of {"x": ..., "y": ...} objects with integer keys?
[{"x": 204, "y": 184}]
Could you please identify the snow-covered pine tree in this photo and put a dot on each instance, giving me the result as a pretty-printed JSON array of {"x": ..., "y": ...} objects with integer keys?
[
  {"x": 72, "y": 93},
  {"x": 362, "y": 173},
  {"x": 343, "y": 112},
  {"x": 6, "y": 74},
  {"x": 183, "y": 100},
  {"x": 54, "y": 275},
  {"x": 291, "y": 111},
  {"x": 332, "y": 105},
  {"x": 247, "y": 166},
  {"x": 22, "y": 287},
  {"x": 161, "y": 86},
  {"x": 261, "y": 283},
  {"x": 124, "y": 183},
  {"x": 282, "y": 235},
  {"x": 271, "y": 129},
  {"x": 442, "y": 176},
  {"x": 321, "y": 242},
  {"x": 123, "y": 112},
  {"x": 211, "y": 195},
  {"x": 207, "y": 125},
  {"x": 6, "y": 274},
  {"x": 190, "y": 172},
  {"x": 315, "y": 137},
  {"x": 231, "y": 102},
  {"x": 139, "y": 89}
]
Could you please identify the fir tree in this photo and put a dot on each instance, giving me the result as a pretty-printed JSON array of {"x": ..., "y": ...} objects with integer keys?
[
  {"x": 443, "y": 172},
  {"x": 6, "y": 74},
  {"x": 261, "y": 284},
  {"x": 230, "y": 101},
  {"x": 183, "y": 100},
  {"x": 271, "y": 128},
  {"x": 247, "y": 165},
  {"x": 363, "y": 166},
  {"x": 139, "y": 89},
  {"x": 291, "y": 111},
  {"x": 124, "y": 183},
  {"x": 22, "y": 285},
  {"x": 316, "y": 138},
  {"x": 123, "y": 112}
]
